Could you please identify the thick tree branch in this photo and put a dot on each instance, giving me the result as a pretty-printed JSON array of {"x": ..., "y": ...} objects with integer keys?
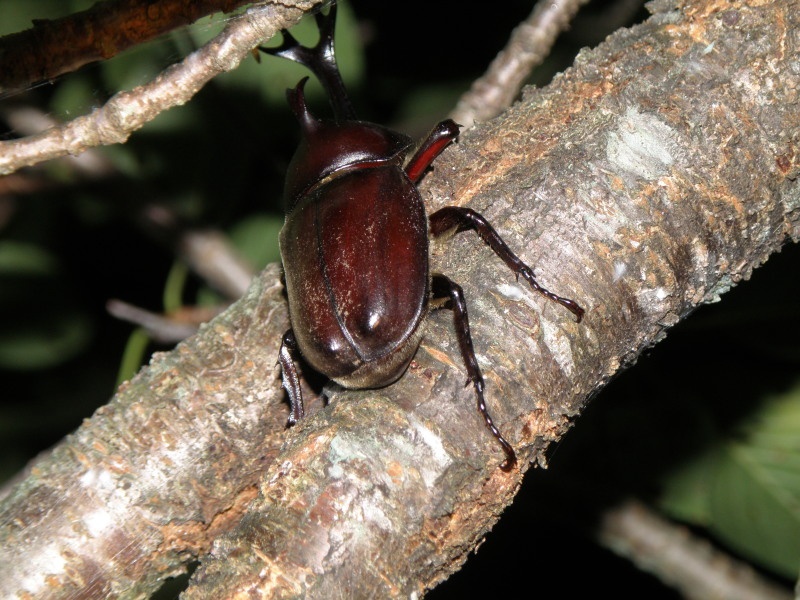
[
  {"x": 645, "y": 181},
  {"x": 152, "y": 478},
  {"x": 54, "y": 47},
  {"x": 648, "y": 179}
]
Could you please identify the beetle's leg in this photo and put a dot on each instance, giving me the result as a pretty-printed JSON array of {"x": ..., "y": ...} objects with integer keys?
[
  {"x": 462, "y": 219},
  {"x": 320, "y": 60},
  {"x": 437, "y": 140},
  {"x": 291, "y": 379},
  {"x": 442, "y": 287}
]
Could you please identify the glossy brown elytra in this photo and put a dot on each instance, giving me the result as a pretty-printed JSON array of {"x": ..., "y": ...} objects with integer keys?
[{"x": 355, "y": 244}]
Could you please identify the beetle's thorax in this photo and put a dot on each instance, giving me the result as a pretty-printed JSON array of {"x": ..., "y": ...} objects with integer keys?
[
  {"x": 330, "y": 149},
  {"x": 333, "y": 149}
]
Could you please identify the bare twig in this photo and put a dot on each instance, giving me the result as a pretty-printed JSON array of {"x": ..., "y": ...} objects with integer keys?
[
  {"x": 530, "y": 43},
  {"x": 166, "y": 329},
  {"x": 210, "y": 254},
  {"x": 680, "y": 559},
  {"x": 127, "y": 111},
  {"x": 31, "y": 121}
]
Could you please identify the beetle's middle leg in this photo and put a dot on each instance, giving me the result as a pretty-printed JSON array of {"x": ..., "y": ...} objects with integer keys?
[
  {"x": 444, "y": 288},
  {"x": 462, "y": 219},
  {"x": 291, "y": 379}
]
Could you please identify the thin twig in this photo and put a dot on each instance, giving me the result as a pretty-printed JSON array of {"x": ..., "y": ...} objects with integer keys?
[
  {"x": 127, "y": 111},
  {"x": 161, "y": 328},
  {"x": 680, "y": 559},
  {"x": 529, "y": 44},
  {"x": 210, "y": 255}
]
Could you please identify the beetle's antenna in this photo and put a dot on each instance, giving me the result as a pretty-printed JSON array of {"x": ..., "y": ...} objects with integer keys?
[{"x": 320, "y": 60}]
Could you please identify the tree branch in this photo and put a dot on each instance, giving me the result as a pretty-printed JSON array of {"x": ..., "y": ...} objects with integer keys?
[
  {"x": 529, "y": 45},
  {"x": 54, "y": 47},
  {"x": 126, "y": 112},
  {"x": 646, "y": 180},
  {"x": 146, "y": 485},
  {"x": 690, "y": 564}
]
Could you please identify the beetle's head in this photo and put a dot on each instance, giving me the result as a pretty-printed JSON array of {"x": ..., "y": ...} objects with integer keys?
[{"x": 331, "y": 147}]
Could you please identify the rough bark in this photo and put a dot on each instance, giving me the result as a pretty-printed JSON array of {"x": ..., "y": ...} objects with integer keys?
[
  {"x": 145, "y": 485},
  {"x": 53, "y": 47},
  {"x": 646, "y": 180}
]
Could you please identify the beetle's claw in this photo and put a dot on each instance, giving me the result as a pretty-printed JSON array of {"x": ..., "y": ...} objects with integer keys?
[
  {"x": 570, "y": 305},
  {"x": 509, "y": 463}
]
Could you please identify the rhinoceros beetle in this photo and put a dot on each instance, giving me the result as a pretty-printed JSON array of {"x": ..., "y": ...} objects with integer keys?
[{"x": 355, "y": 244}]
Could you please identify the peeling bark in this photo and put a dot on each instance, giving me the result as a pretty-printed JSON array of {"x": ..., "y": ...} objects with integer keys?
[{"x": 646, "y": 180}]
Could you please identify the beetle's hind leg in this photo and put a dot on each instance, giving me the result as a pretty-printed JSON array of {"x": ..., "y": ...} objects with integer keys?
[
  {"x": 444, "y": 288},
  {"x": 320, "y": 60},
  {"x": 461, "y": 219},
  {"x": 291, "y": 379}
]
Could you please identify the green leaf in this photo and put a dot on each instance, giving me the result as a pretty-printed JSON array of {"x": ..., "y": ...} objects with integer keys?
[
  {"x": 755, "y": 496},
  {"x": 686, "y": 495},
  {"x": 256, "y": 239},
  {"x": 174, "y": 286},
  {"x": 747, "y": 491},
  {"x": 21, "y": 258},
  {"x": 134, "y": 355},
  {"x": 50, "y": 341}
]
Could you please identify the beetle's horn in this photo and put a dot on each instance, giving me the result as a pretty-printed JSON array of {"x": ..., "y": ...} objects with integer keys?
[{"x": 297, "y": 100}]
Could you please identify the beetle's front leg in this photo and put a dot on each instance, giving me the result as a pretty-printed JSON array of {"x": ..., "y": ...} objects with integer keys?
[
  {"x": 431, "y": 147},
  {"x": 291, "y": 380},
  {"x": 462, "y": 219},
  {"x": 443, "y": 287}
]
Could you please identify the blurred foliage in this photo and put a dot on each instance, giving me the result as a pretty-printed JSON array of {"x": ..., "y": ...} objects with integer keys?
[
  {"x": 746, "y": 489},
  {"x": 705, "y": 424}
]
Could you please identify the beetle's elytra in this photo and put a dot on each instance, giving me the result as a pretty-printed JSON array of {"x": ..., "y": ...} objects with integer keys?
[{"x": 355, "y": 244}]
